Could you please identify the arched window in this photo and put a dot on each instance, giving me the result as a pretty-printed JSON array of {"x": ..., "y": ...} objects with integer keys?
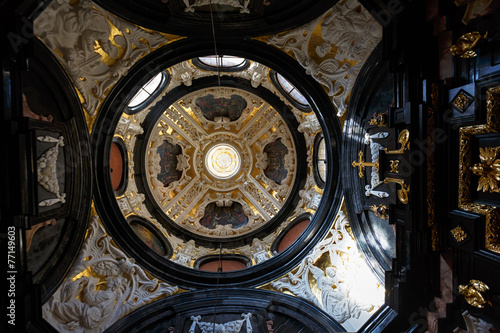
[
  {"x": 319, "y": 160},
  {"x": 148, "y": 92},
  {"x": 225, "y": 63},
  {"x": 290, "y": 91}
]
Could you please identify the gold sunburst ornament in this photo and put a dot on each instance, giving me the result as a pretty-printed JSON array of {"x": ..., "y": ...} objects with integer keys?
[{"x": 488, "y": 169}]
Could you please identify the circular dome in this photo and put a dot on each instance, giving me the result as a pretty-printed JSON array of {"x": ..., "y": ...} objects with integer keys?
[
  {"x": 222, "y": 161},
  {"x": 220, "y": 164},
  {"x": 217, "y": 166}
]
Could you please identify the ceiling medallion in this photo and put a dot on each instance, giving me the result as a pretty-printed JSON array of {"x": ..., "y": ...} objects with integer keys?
[{"x": 223, "y": 161}]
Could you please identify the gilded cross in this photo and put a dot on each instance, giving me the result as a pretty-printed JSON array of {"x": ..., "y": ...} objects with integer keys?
[{"x": 362, "y": 164}]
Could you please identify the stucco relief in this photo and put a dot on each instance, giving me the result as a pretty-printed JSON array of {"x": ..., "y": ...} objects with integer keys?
[
  {"x": 106, "y": 286},
  {"x": 95, "y": 47},
  {"x": 47, "y": 170},
  {"x": 334, "y": 277},
  {"x": 228, "y": 327},
  {"x": 243, "y": 7},
  {"x": 347, "y": 28}
]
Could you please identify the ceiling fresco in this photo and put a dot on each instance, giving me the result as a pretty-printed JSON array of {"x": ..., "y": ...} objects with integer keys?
[{"x": 220, "y": 162}]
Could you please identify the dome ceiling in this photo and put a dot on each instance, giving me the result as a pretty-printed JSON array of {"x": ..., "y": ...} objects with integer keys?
[
  {"x": 246, "y": 165},
  {"x": 219, "y": 163}
]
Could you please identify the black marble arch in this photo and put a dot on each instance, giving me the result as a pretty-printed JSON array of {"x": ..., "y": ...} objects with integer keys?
[
  {"x": 288, "y": 313},
  {"x": 69, "y": 120},
  {"x": 377, "y": 256},
  {"x": 111, "y": 215},
  {"x": 169, "y": 17}
]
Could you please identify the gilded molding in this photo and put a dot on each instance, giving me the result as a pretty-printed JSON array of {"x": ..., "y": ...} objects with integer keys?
[
  {"x": 380, "y": 211},
  {"x": 493, "y": 108},
  {"x": 404, "y": 140},
  {"x": 403, "y": 192},
  {"x": 488, "y": 170},
  {"x": 379, "y": 119},
  {"x": 461, "y": 101},
  {"x": 492, "y": 241},
  {"x": 431, "y": 165}
]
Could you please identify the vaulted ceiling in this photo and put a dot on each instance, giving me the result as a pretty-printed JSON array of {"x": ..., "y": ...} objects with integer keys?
[{"x": 239, "y": 162}]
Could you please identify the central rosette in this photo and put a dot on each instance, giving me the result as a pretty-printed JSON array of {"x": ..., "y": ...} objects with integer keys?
[{"x": 222, "y": 161}]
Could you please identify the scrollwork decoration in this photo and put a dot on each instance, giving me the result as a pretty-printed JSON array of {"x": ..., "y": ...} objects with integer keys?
[
  {"x": 336, "y": 281},
  {"x": 106, "y": 286},
  {"x": 348, "y": 28}
]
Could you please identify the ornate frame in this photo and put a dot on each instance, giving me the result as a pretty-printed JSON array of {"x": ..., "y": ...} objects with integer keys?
[{"x": 492, "y": 232}]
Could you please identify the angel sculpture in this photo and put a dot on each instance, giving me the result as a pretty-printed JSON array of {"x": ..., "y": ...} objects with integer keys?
[
  {"x": 472, "y": 293},
  {"x": 466, "y": 43}
]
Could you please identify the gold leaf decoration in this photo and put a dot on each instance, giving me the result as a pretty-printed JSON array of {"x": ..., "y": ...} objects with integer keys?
[{"x": 488, "y": 169}]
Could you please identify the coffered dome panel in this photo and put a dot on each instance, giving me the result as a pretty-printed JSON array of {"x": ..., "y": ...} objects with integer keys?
[{"x": 244, "y": 164}]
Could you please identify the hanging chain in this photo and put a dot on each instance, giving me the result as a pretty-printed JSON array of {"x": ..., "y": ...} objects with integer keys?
[{"x": 219, "y": 270}]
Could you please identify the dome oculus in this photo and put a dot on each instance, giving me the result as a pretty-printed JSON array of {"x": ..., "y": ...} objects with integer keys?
[{"x": 223, "y": 161}]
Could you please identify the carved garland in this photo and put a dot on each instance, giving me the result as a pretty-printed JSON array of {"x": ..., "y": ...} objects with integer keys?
[{"x": 47, "y": 170}]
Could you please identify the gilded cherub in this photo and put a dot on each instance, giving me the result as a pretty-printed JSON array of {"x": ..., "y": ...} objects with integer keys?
[
  {"x": 472, "y": 293},
  {"x": 465, "y": 44}
]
